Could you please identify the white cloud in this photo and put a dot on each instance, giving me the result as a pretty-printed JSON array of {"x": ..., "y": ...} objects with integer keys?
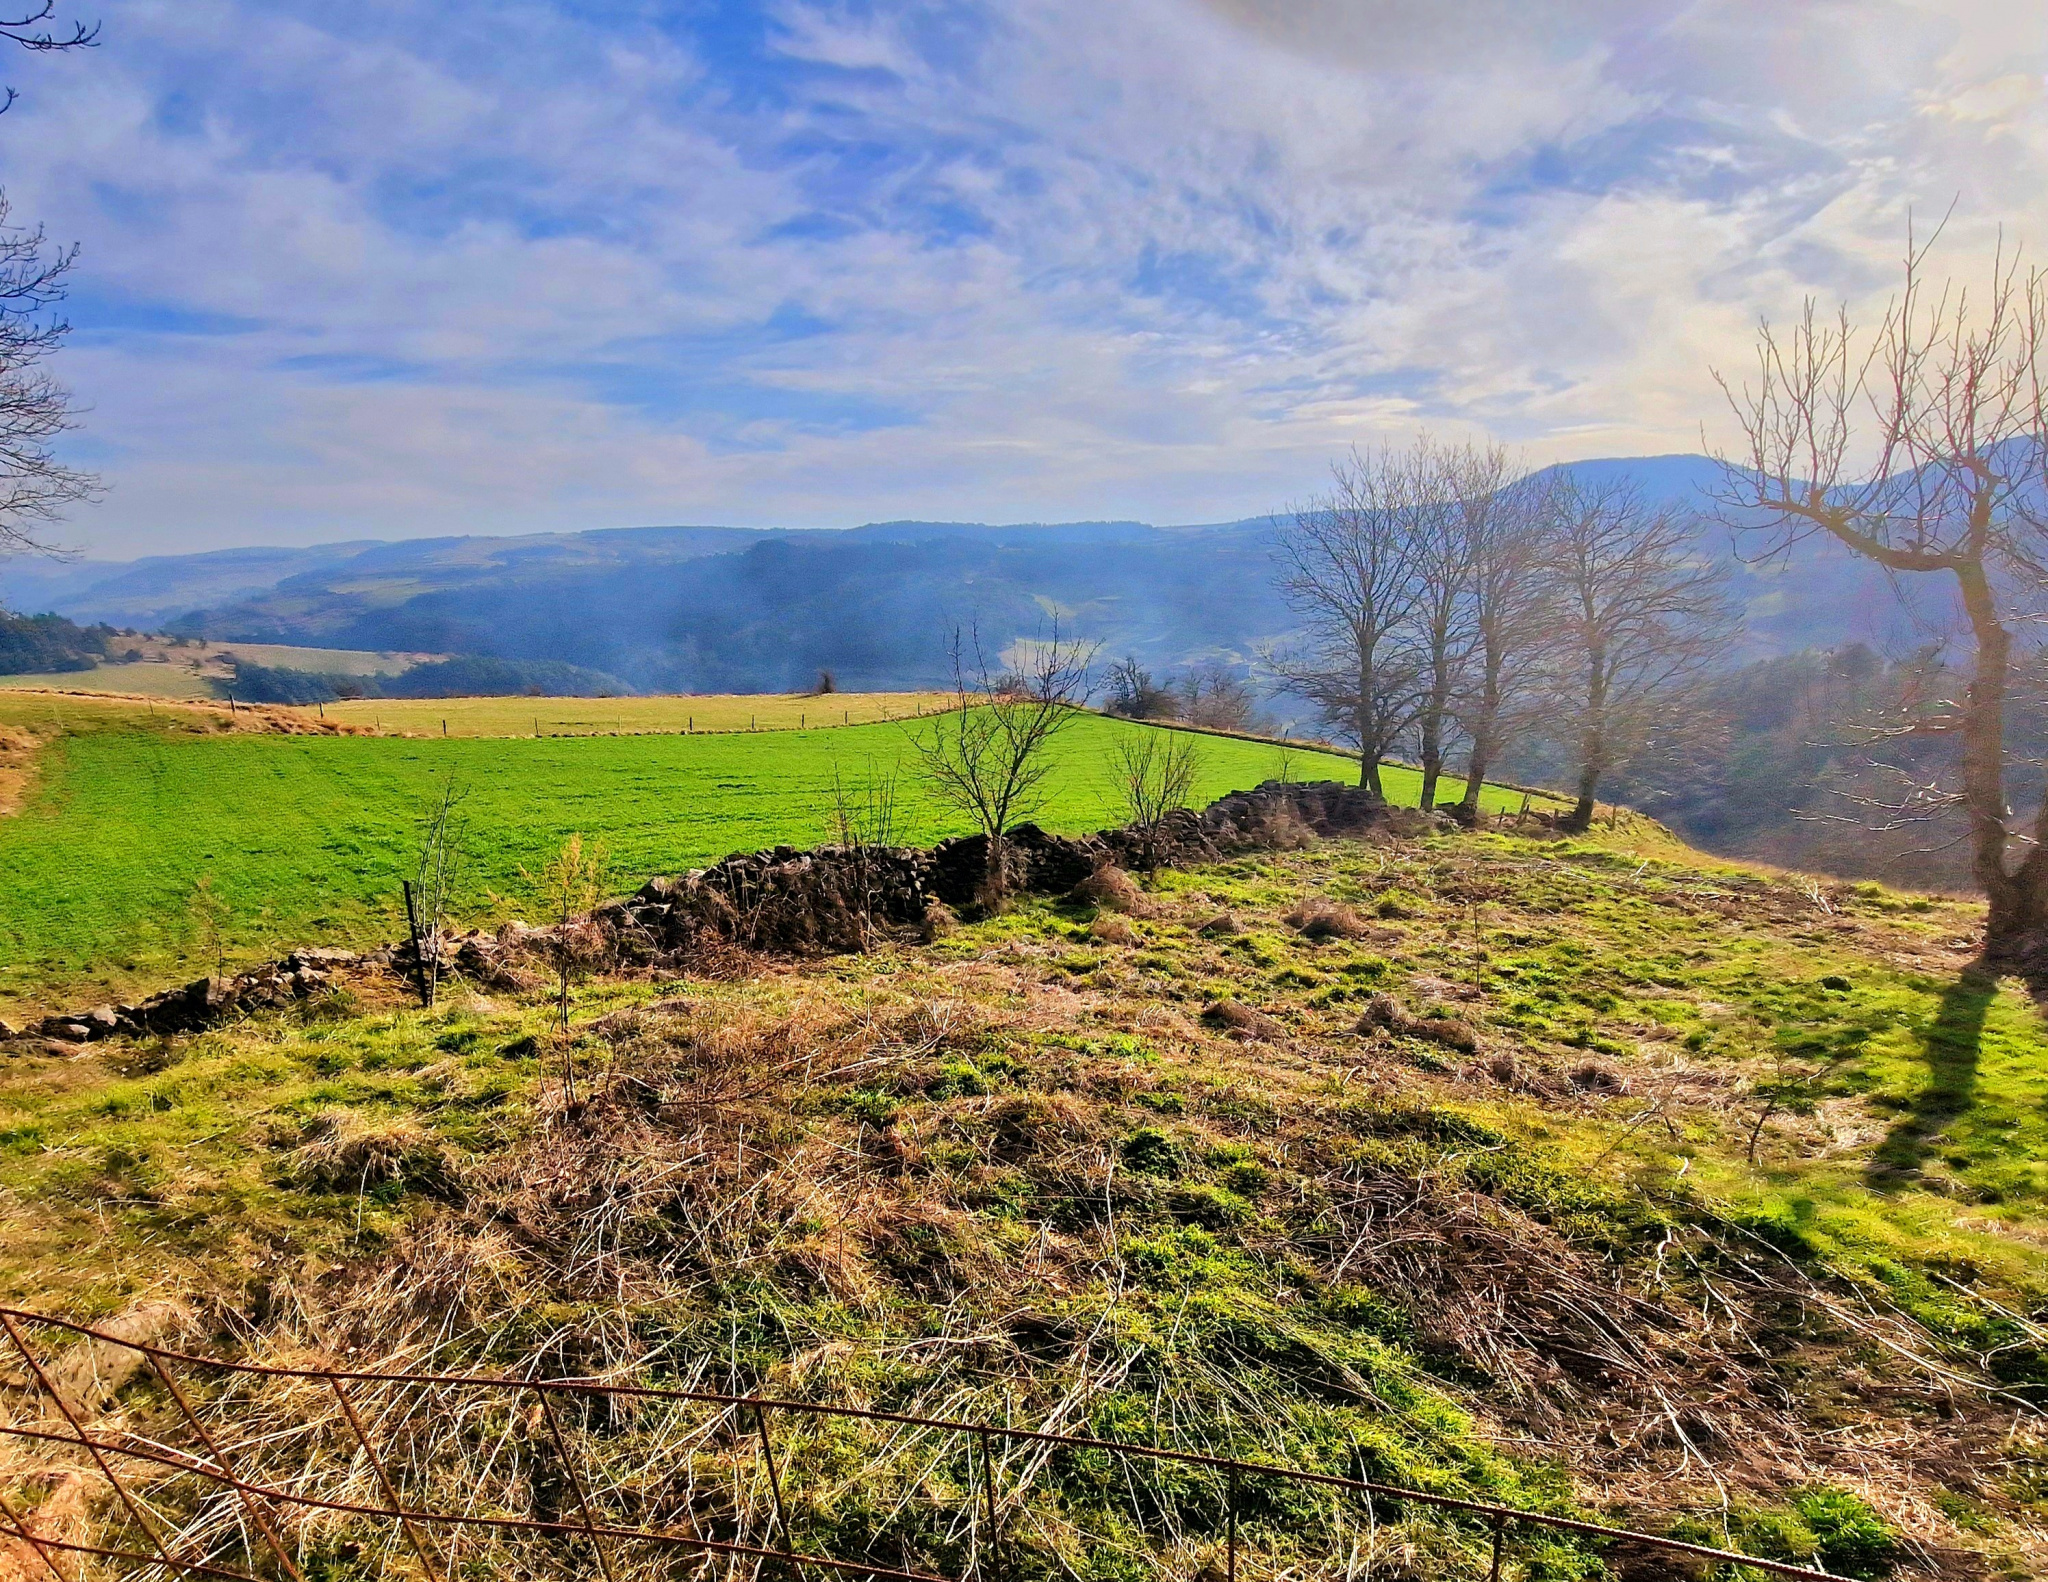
[{"x": 485, "y": 268}]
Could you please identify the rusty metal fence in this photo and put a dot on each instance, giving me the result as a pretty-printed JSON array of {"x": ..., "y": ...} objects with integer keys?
[{"x": 253, "y": 1484}]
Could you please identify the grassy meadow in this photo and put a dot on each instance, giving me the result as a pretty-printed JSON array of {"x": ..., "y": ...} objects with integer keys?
[
  {"x": 305, "y": 838},
  {"x": 1756, "y": 1158},
  {"x": 668, "y": 715},
  {"x": 168, "y": 671}
]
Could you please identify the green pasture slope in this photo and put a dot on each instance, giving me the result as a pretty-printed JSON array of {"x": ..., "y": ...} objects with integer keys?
[{"x": 305, "y": 838}]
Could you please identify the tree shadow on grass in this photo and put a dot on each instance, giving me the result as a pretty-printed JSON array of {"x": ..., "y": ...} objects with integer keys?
[{"x": 1951, "y": 1045}]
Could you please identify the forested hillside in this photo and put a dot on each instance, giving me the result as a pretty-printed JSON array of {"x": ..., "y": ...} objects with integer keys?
[{"x": 728, "y": 609}]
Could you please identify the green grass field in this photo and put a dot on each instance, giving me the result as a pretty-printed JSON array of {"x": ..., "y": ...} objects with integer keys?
[
  {"x": 307, "y": 838},
  {"x": 144, "y": 679}
]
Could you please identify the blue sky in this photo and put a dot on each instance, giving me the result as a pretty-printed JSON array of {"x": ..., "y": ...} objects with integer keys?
[{"x": 391, "y": 269}]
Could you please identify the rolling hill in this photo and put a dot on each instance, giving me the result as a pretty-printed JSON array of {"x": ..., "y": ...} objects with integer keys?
[{"x": 738, "y": 609}]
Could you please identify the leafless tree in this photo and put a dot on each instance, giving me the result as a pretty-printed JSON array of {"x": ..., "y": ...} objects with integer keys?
[
  {"x": 1348, "y": 570},
  {"x": 431, "y": 890},
  {"x": 864, "y": 825},
  {"x": 1155, "y": 776},
  {"x": 570, "y": 887},
  {"x": 988, "y": 755},
  {"x": 1925, "y": 452},
  {"x": 1132, "y": 694},
  {"x": 33, "y": 25},
  {"x": 1442, "y": 631},
  {"x": 1645, "y": 615},
  {"x": 1216, "y": 696},
  {"x": 1502, "y": 511},
  {"x": 35, "y": 487}
]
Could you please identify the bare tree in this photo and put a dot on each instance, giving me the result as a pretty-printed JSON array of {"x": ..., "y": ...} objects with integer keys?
[
  {"x": 987, "y": 756},
  {"x": 35, "y": 487},
  {"x": 1925, "y": 453},
  {"x": 864, "y": 825},
  {"x": 1442, "y": 632},
  {"x": 570, "y": 886},
  {"x": 1214, "y": 695},
  {"x": 1502, "y": 512},
  {"x": 1132, "y": 694},
  {"x": 1348, "y": 570},
  {"x": 1155, "y": 777},
  {"x": 431, "y": 890},
  {"x": 211, "y": 917},
  {"x": 1645, "y": 616}
]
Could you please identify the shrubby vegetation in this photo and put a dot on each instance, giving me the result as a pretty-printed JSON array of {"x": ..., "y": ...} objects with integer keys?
[
  {"x": 1793, "y": 760},
  {"x": 465, "y": 676},
  {"x": 36, "y": 644}
]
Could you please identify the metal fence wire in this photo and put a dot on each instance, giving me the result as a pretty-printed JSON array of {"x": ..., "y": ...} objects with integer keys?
[{"x": 255, "y": 1472}]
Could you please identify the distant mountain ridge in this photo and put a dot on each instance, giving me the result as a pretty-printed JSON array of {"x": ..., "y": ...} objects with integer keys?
[{"x": 759, "y": 609}]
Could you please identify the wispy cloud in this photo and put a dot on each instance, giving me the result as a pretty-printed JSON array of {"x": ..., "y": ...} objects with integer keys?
[{"x": 406, "y": 268}]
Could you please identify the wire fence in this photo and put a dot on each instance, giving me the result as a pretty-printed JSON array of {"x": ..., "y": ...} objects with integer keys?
[{"x": 253, "y": 1472}]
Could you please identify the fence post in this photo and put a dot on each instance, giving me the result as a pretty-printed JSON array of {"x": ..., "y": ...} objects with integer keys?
[
  {"x": 1493, "y": 1572},
  {"x": 85, "y": 1439},
  {"x": 547, "y": 1408},
  {"x": 383, "y": 1481},
  {"x": 220, "y": 1457}
]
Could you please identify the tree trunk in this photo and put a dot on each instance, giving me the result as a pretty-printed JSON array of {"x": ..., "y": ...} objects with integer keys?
[
  {"x": 1485, "y": 731},
  {"x": 1368, "y": 739},
  {"x": 1592, "y": 743},
  {"x": 1475, "y": 778},
  {"x": 2016, "y": 910},
  {"x": 1432, "y": 762},
  {"x": 1580, "y": 819}
]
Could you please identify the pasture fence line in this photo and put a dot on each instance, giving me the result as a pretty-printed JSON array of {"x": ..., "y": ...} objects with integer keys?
[{"x": 226, "y": 1506}]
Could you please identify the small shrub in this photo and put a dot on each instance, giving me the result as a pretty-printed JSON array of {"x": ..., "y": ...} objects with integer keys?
[
  {"x": 1211, "y": 1207},
  {"x": 1398, "y": 903},
  {"x": 1152, "y": 1152},
  {"x": 957, "y": 1079},
  {"x": 1247, "y": 1177}
]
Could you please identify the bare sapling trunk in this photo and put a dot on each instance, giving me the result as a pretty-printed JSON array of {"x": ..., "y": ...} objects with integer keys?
[
  {"x": 989, "y": 756},
  {"x": 1155, "y": 778},
  {"x": 569, "y": 889},
  {"x": 431, "y": 890},
  {"x": 1949, "y": 404},
  {"x": 1645, "y": 615},
  {"x": 864, "y": 825},
  {"x": 1349, "y": 571}
]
